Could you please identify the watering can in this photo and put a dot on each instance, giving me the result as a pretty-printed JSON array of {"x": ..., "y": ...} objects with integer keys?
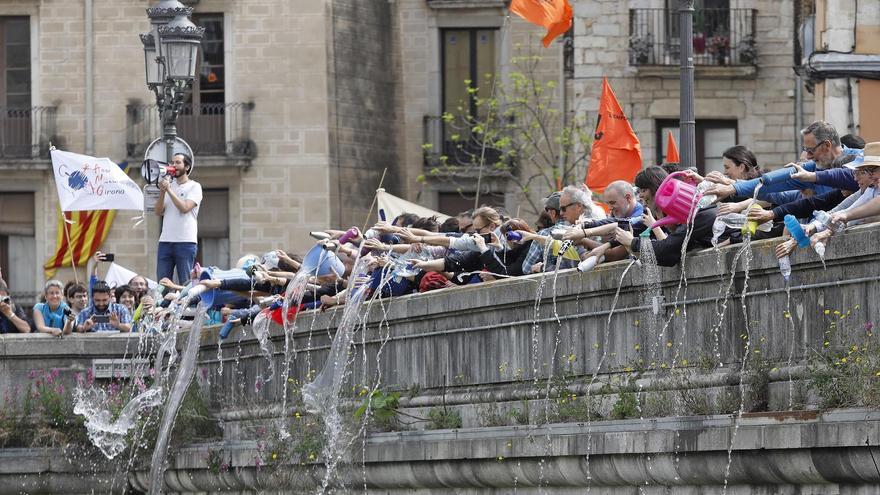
[
  {"x": 320, "y": 262},
  {"x": 676, "y": 199}
]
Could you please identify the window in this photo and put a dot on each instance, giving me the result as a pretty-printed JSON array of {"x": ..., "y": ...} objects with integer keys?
[
  {"x": 203, "y": 120},
  {"x": 15, "y": 86},
  {"x": 468, "y": 61},
  {"x": 18, "y": 249},
  {"x": 712, "y": 138},
  {"x": 214, "y": 228},
  {"x": 15, "y": 62}
]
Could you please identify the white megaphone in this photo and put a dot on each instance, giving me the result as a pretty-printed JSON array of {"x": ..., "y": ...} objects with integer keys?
[{"x": 153, "y": 170}]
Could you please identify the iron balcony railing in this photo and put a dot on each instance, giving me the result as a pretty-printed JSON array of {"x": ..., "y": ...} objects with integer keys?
[
  {"x": 211, "y": 129},
  {"x": 447, "y": 139},
  {"x": 721, "y": 37},
  {"x": 27, "y": 131}
]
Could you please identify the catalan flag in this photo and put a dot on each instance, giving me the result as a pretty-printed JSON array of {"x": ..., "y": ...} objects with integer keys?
[
  {"x": 80, "y": 236},
  {"x": 87, "y": 231}
]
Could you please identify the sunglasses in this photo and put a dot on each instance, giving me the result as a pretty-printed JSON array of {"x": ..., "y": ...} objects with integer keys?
[{"x": 562, "y": 208}]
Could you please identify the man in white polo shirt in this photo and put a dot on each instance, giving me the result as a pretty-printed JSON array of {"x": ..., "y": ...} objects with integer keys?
[{"x": 178, "y": 205}]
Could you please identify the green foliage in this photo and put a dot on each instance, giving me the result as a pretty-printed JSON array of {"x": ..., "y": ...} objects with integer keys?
[
  {"x": 382, "y": 409},
  {"x": 443, "y": 418},
  {"x": 521, "y": 416},
  {"x": 627, "y": 406},
  {"x": 845, "y": 371},
  {"x": 513, "y": 129}
]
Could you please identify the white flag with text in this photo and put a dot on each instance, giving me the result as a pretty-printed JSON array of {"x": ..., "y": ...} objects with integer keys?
[{"x": 86, "y": 183}]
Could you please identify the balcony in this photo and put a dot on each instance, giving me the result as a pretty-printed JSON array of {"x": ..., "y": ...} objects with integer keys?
[
  {"x": 218, "y": 131},
  {"x": 446, "y": 144},
  {"x": 25, "y": 133},
  {"x": 724, "y": 42}
]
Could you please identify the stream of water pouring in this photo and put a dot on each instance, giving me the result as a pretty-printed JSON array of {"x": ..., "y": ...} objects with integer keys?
[
  {"x": 185, "y": 373},
  {"x": 747, "y": 249},
  {"x": 598, "y": 368},
  {"x": 321, "y": 396}
]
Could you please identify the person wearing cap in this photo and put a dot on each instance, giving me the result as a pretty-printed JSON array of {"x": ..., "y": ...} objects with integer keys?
[
  {"x": 867, "y": 206},
  {"x": 178, "y": 205},
  {"x": 12, "y": 316}
]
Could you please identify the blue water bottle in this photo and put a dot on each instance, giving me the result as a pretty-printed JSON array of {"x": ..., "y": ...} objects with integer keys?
[{"x": 796, "y": 230}]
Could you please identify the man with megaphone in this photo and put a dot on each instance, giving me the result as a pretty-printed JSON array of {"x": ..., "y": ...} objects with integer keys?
[{"x": 178, "y": 205}]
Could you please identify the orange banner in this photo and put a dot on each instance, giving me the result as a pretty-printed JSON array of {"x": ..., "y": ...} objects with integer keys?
[
  {"x": 671, "y": 149},
  {"x": 616, "y": 153},
  {"x": 554, "y": 15}
]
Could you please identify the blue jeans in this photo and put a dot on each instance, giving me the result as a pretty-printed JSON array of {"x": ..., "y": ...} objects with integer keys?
[{"x": 176, "y": 254}]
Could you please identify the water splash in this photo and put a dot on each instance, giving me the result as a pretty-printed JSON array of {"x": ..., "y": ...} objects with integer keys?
[
  {"x": 106, "y": 432},
  {"x": 185, "y": 373},
  {"x": 321, "y": 396}
]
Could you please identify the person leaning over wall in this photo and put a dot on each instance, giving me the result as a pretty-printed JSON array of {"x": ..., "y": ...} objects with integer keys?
[
  {"x": 50, "y": 316},
  {"x": 12, "y": 316}
]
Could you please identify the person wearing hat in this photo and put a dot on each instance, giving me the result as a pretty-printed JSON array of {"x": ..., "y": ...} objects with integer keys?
[
  {"x": 178, "y": 205},
  {"x": 867, "y": 206},
  {"x": 532, "y": 262}
]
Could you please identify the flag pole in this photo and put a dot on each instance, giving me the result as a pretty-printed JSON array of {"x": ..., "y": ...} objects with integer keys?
[
  {"x": 69, "y": 247},
  {"x": 375, "y": 197}
]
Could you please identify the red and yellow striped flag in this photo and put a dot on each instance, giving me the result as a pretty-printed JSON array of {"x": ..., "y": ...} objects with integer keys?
[{"x": 87, "y": 232}]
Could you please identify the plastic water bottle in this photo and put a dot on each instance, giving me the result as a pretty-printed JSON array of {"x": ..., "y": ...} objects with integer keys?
[
  {"x": 707, "y": 199},
  {"x": 785, "y": 267},
  {"x": 590, "y": 263},
  {"x": 718, "y": 228},
  {"x": 797, "y": 231},
  {"x": 819, "y": 247},
  {"x": 513, "y": 236},
  {"x": 824, "y": 218}
]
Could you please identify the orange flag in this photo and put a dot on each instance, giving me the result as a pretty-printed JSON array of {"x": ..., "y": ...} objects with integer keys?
[
  {"x": 554, "y": 15},
  {"x": 671, "y": 150},
  {"x": 616, "y": 153}
]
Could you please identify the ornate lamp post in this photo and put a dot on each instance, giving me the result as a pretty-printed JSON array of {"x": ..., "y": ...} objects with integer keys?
[{"x": 171, "y": 50}]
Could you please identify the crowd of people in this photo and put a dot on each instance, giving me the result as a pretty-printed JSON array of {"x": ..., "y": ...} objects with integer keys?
[{"x": 835, "y": 184}]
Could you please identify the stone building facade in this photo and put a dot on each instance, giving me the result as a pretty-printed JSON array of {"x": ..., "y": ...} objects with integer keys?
[{"x": 304, "y": 105}]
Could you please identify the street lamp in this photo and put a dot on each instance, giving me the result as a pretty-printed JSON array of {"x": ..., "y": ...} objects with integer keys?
[{"x": 171, "y": 50}]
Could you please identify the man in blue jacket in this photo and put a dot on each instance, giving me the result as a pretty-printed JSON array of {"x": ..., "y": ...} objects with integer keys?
[{"x": 821, "y": 144}]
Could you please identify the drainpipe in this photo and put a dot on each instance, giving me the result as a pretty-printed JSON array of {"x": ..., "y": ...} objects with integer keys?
[{"x": 90, "y": 77}]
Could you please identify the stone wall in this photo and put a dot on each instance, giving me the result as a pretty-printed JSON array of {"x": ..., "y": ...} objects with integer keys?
[
  {"x": 762, "y": 103},
  {"x": 364, "y": 116}
]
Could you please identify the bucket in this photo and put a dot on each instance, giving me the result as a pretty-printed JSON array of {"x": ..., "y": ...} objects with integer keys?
[
  {"x": 216, "y": 297},
  {"x": 677, "y": 200},
  {"x": 320, "y": 262}
]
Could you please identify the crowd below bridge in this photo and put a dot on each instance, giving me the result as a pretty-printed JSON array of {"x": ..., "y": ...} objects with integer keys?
[{"x": 834, "y": 185}]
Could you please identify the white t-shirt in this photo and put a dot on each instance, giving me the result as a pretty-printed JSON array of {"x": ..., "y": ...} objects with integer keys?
[{"x": 177, "y": 226}]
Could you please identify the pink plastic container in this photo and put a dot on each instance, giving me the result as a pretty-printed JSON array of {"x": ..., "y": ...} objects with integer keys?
[{"x": 677, "y": 200}]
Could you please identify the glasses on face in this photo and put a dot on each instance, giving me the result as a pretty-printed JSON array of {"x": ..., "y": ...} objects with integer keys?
[
  {"x": 562, "y": 208},
  {"x": 812, "y": 150},
  {"x": 479, "y": 230}
]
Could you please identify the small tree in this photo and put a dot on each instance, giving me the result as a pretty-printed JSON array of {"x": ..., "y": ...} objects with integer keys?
[{"x": 517, "y": 133}]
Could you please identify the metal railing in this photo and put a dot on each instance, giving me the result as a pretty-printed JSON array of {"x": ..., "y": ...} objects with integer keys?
[
  {"x": 444, "y": 141},
  {"x": 25, "y": 132},
  {"x": 211, "y": 129},
  {"x": 721, "y": 37}
]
